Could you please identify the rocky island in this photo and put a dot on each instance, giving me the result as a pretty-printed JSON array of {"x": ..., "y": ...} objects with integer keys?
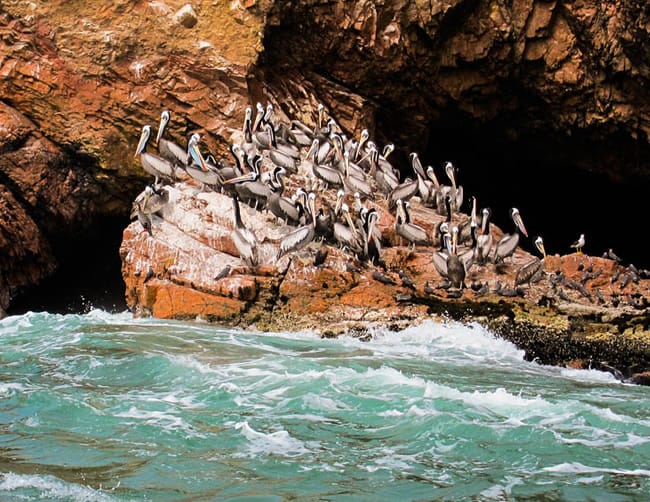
[
  {"x": 557, "y": 87},
  {"x": 181, "y": 258}
]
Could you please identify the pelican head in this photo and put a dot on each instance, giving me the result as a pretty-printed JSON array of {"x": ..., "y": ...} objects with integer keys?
[
  {"x": 313, "y": 149},
  {"x": 388, "y": 149},
  {"x": 194, "y": 152},
  {"x": 416, "y": 164},
  {"x": 539, "y": 244},
  {"x": 516, "y": 217},
  {"x": 164, "y": 120},
  {"x": 451, "y": 172},
  {"x": 144, "y": 137},
  {"x": 431, "y": 174}
]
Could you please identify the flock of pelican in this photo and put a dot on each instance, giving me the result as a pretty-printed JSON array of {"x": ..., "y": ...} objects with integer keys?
[{"x": 336, "y": 186}]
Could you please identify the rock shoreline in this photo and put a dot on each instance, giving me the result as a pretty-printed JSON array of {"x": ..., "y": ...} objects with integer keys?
[{"x": 174, "y": 273}]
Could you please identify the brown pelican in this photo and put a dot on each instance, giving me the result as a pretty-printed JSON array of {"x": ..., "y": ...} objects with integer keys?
[
  {"x": 152, "y": 200},
  {"x": 346, "y": 234},
  {"x": 149, "y": 202},
  {"x": 426, "y": 188},
  {"x": 354, "y": 183},
  {"x": 329, "y": 176},
  {"x": 404, "y": 191},
  {"x": 282, "y": 207},
  {"x": 244, "y": 239},
  {"x": 450, "y": 265},
  {"x": 456, "y": 191},
  {"x": 414, "y": 234},
  {"x": 579, "y": 244},
  {"x": 386, "y": 180},
  {"x": 533, "y": 269},
  {"x": 250, "y": 187},
  {"x": 282, "y": 154},
  {"x": 301, "y": 236},
  {"x": 198, "y": 168},
  {"x": 301, "y": 133},
  {"x": 167, "y": 148},
  {"x": 484, "y": 239},
  {"x": 153, "y": 164},
  {"x": 508, "y": 243},
  {"x": 372, "y": 246}
]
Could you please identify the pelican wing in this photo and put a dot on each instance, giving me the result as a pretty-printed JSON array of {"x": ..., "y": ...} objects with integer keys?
[
  {"x": 440, "y": 263},
  {"x": 297, "y": 239},
  {"x": 156, "y": 166}
]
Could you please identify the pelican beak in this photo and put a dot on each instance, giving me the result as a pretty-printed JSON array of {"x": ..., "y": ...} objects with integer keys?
[
  {"x": 540, "y": 245},
  {"x": 520, "y": 224},
  {"x": 312, "y": 149},
  {"x": 142, "y": 142},
  {"x": 239, "y": 179},
  {"x": 195, "y": 153},
  {"x": 164, "y": 118}
]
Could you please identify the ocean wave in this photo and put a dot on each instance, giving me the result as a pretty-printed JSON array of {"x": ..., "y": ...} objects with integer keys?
[{"x": 49, "y": 487}]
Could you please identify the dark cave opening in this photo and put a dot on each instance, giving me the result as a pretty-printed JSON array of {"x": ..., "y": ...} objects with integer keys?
[
  {"x": 556, "y": 182},
  {"x": 89, "y": 274}
]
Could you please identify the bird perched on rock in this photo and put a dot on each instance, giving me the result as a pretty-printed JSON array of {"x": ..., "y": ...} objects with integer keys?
[
  {"x": 579, "y": 244},
  {"x": 532, "y": 270}
]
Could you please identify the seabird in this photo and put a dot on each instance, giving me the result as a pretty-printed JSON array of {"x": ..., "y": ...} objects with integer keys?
[
  {"x": 578, "y": 245},
  {"x": 414, "y": 234},
  {"x": 301, "y": 236},
  {"x": 244, "y": 239},
  {"x": 167, "y": 148},
  {"x": 508, "y": 243},
  {"x": 151, "y": 163},
  {"x": 528, "y": 272},
  {"x": 282, "y": 207},
  {"x": 198, "y": 168}
]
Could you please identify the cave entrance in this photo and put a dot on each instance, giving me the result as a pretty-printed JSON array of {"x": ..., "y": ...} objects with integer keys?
[
  {"x": 89, "y": 273},
  {"x": 557, "y": 182}
]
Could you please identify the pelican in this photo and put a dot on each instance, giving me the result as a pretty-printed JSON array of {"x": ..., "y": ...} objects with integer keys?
[
  {"x": 167, "y": 148},
  {"x": 199, "y": 170},
  {"x": 385, "y": 179},
  {"x": 533, "y": 269},
  {"x": 250, "y": 187},
  {"x": 414, "y": 234},
  {"x": 372, "y": 245},
  {"x": 508, "y": 243},
  {"x": 456, "y": 191},
  {"x": 302, "y": 134},
  {"x": 484, "y": 239},
  {"x": 153, "y": 164},
  {"x": 426, "y": 188},
  {"x": 450, "y": 265},
  {"x": 346, "y": 234},
  {"x": 328, "y": 175},
  {"x": 244, "y": 239},
  {"x": 579, "y": 244},
  {"x": 152, "y": 200},
  {"x": 404, "y": 191},
  {"x": 301, "y": 236},
  {"x": 282, "y": 207},
  {"x": 354, "y": 183}
]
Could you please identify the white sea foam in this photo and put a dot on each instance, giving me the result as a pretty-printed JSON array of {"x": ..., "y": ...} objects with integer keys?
[
  {"x": 498, "y": 401},
  {"x": 443, "y": 341},
  {"x": 319, "y": 402},
  {"x": 50, "y": 488},
  {"x": 274, "y": 443},
  {"x": 578, "y": 468},
  {"x": 166, "y": 420}
]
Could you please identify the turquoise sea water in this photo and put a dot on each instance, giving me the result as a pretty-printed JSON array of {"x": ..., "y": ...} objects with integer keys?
[{"x": 106, "y": 407}]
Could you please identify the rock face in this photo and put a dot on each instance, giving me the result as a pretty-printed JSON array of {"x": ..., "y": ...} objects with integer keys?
[{"x": 78, "y": 81}]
